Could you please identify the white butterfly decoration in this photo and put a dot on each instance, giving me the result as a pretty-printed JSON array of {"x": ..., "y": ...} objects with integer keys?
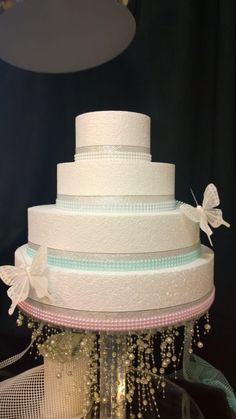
[
  {"x": 206, "y": 213},
  {"x": 22, "y": 279}
]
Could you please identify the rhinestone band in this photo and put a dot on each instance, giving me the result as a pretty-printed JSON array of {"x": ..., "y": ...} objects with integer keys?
[
  {"x": 113, "y": 156},
  {"x": 116, "y": 204},
  {"x": 72, "y": 261},
  {"x": 111, "y": 149},
  {"x": 112, "y": 152}
]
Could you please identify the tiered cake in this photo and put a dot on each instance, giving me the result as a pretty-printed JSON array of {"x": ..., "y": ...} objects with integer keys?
[{"x": 116, "y": 239}]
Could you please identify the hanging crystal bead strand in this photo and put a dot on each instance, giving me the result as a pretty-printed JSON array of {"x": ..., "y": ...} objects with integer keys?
[{"x": 112, "y": 376}]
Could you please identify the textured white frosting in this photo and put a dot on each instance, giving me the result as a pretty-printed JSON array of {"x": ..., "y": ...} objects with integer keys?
[
  {"x": 128, "y": 291},
  {"x": 131, "y": 233},
  {"x": 110, "y": 233},
  {"x": 99, "y": 177},
  {"x": 113, "y": 128}
]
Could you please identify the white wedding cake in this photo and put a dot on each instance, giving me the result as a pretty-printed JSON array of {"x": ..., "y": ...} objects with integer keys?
[
  {"x": 117, "y": 240},
  {"x": 116, "y": 253}
]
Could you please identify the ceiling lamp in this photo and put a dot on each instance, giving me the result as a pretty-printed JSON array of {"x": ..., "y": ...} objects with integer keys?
[{"x": 60, "y": 36}]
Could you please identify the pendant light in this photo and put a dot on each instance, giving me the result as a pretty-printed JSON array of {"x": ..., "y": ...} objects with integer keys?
[{"x": 60, "y": 36}]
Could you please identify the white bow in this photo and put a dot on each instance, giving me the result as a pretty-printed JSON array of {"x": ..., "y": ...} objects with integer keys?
[
  {"x": 25, "y": 277},
  {"x": 206, "y": 213}
]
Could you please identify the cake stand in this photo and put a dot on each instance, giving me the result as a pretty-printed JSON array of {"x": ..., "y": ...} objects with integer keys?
[{"x": 127, "y": 370}]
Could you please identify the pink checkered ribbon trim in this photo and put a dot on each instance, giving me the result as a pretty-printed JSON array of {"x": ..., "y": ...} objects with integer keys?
[{"x": 125, "y": 324}]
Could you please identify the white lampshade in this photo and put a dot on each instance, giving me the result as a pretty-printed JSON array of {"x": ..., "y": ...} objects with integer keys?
[{"x": 60, "y": 36}]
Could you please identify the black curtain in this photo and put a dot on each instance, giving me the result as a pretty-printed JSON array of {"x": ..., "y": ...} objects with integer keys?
[{"x": 180, "y": 70}]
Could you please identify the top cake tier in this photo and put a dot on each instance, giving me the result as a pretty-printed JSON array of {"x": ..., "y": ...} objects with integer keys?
[{"x": 114, "y": 132}]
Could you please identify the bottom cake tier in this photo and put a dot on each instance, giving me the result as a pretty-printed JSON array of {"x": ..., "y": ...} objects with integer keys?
[{"x": 127, "y": 291}]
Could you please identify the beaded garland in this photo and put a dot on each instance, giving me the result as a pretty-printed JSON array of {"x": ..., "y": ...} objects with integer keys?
[{"x": 142, "y": 355}]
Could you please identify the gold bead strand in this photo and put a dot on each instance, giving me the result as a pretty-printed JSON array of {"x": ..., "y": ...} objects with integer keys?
[{"x": 207, "y": 326}]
